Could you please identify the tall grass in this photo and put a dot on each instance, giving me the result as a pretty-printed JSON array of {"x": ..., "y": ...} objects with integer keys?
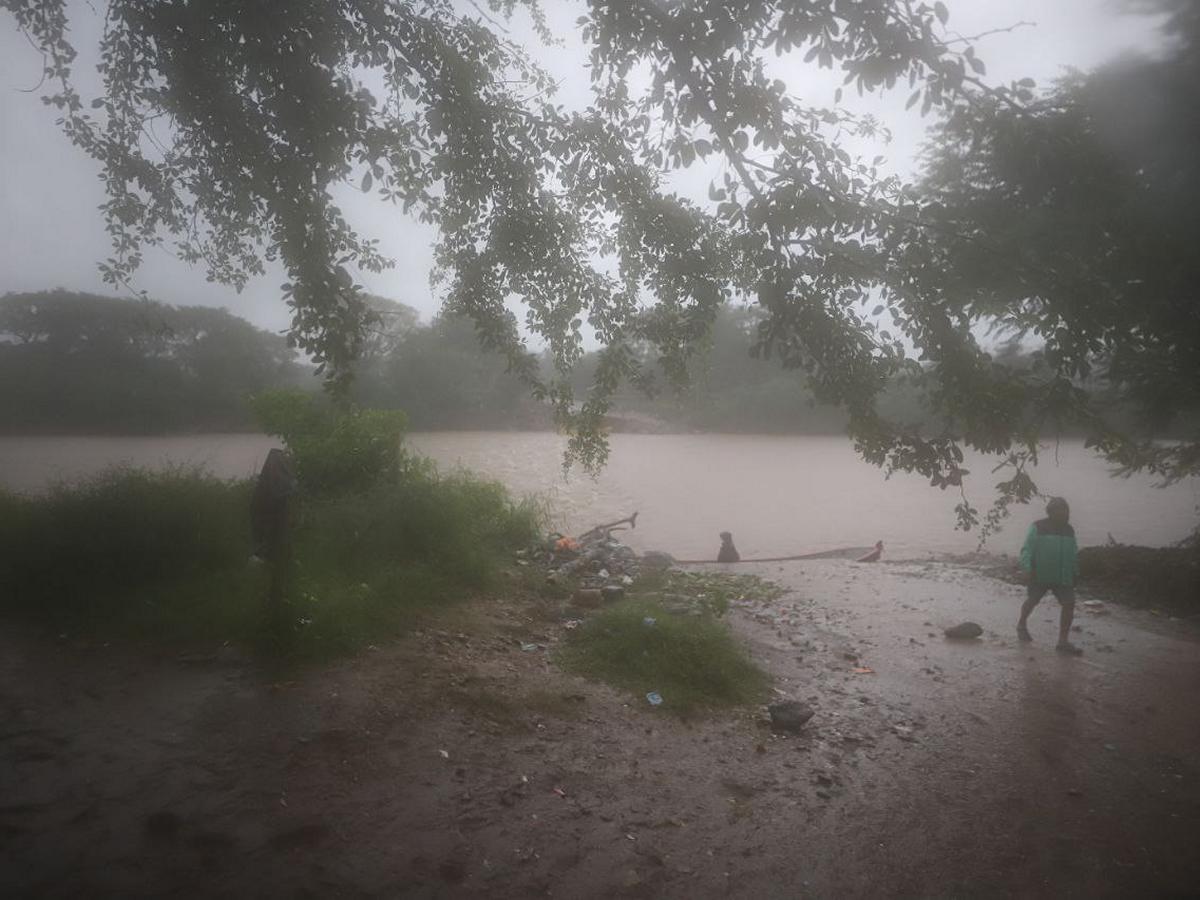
[
  {"x": 70, "y": 552},
  {"x": 167, "y": 554}
]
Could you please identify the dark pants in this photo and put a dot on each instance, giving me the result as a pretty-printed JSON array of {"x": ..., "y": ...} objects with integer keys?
[
  {"x": 1065, "y": 593},
  {"x": 1066, "y": 599}
]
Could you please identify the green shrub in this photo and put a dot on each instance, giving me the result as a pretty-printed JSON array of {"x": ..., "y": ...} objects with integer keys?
[
  {"x": 166, "y": 554},
  {"x": 333, "y": 450},
  {"x": 119, "y": 532},
  {"x": 455, "y": 524},
  {"x": 694, "y": 662}
]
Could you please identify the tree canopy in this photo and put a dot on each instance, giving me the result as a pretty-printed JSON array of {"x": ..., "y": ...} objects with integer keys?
[
  {"x": 1072, "y": 218},
  {"x": 265, "y": 108},
  {"x": 71, "y": 361}
]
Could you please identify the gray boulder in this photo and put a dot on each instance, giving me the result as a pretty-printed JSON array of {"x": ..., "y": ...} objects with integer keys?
[
  {"x": 656, "y": 559},
  {"x": 789, "y": 716},
  {"x": 965, "y": 631}
]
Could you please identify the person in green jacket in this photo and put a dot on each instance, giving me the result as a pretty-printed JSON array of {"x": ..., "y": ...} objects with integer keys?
[{"x": 1050, "y": 557}]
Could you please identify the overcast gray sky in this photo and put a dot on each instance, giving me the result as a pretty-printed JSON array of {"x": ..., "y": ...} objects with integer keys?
[{"x": 51, "y": 234}]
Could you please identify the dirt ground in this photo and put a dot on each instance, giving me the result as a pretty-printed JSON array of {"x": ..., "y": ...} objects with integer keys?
[{"x": 454, "y": 764}]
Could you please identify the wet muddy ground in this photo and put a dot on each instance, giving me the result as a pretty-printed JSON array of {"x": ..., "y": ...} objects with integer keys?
[{"x": 454, "y": 764}]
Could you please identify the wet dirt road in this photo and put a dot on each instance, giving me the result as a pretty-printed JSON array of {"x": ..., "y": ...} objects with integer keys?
[
  {"x": 452, "y": 764},
  {"x": 988, "y": 767}
]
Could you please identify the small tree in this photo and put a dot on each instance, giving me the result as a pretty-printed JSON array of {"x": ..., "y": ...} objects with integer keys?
[{"x": 334, "y": 450}]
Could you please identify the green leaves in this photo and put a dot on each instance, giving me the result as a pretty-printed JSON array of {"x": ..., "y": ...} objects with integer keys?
[{"x": 564, "y": 211}]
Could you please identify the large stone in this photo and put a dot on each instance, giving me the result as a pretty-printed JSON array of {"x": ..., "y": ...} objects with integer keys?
[
  {"x": 964, "y": 631},
  {"x": 789, "y": 715},
  {"x": 657, "y": 559}
]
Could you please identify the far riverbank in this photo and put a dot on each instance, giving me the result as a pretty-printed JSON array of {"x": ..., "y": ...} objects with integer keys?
[{"x": 779, "y": 495}]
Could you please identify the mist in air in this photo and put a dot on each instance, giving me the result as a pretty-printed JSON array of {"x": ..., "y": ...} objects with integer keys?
[{"x": 580, "y": 448}]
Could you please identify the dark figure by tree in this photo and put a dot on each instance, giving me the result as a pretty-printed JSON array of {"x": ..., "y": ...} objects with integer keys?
[{"x": 269, "y": 523}]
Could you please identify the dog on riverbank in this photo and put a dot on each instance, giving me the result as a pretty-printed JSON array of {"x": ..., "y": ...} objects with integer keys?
[{"x": 728, "y": 552}]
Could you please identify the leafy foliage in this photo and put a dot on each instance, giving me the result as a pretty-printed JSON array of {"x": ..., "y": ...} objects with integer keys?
[
  {"x": 454, "y": 523},
  {"x": 120, "y": 531},
  {"x": 164, "y": 555},
  {"x": 81, "y": 361},
  {"x": 334, "y": 450},
  {"x": 267, "y": 108},
  {"x": 438, "y": 375},
  {"x": 1070, "y": 220},
  {"x": 531, "y": 200}
]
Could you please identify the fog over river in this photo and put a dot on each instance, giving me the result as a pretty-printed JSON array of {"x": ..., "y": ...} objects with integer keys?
[{"x": 778, "y": 495}]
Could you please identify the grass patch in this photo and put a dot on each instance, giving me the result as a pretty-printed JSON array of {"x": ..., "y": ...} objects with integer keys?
[
  {"x": 709, "y": 593},
  {"x": 166, "y": 555},
  {"x": 693, "y": 661}
]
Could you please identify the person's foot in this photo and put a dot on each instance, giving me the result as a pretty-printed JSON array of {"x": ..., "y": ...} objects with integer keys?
[
  {"x": 1068, "y": 648},
  {"x": 1023, "y": 635}
]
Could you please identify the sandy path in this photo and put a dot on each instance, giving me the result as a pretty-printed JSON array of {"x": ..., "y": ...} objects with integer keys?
[{"x": 981, "y": 769}]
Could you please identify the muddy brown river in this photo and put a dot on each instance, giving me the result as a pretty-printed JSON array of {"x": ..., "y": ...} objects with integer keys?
[{"x": 778, "y": 495}]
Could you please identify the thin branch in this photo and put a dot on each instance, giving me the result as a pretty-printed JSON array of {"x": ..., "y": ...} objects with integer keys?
[
  {"x": 550, "y": 88},
  {"x": 960, "y": 39},
  {"x": 41, "y": 80},
  {"x": 483, "y": 13}
]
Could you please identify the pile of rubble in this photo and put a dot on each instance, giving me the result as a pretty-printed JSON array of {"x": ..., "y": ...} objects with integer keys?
[{"x": 596, "y": 563}]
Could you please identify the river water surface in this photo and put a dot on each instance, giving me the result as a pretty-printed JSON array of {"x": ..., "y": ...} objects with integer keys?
[{"x": 778, "y": 495}]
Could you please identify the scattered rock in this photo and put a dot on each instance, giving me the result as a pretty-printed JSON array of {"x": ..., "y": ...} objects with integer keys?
[
  {"x": 964, "y": 631},
  {"x": 656, "y": 559},
  {"x": 789, "y": 716}
]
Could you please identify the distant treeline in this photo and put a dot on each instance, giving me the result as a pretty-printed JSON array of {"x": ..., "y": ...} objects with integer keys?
[
  {"x": 82, "y": 362},
  {"x": 442, "y": 379}
]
